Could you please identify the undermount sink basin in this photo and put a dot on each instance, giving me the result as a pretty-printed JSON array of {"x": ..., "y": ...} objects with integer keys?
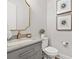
[{"x": 18, "y": 41}]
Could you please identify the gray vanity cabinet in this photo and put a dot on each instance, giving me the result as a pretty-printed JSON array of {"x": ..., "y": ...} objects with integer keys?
[{"x": 29, "y": 52}]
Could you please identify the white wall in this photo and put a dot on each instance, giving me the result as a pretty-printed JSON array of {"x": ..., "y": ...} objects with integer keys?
[
  {"x": 56, "y": 37},
  {"x": 38, "y": 17}
]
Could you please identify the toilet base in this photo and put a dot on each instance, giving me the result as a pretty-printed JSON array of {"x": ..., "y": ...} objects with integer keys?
[
  {"x": 51, "y": 57},
  {"x": 47, "y": 57}
]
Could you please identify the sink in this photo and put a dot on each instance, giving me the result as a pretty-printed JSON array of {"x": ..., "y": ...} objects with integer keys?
[{"x": 18, "y": 41}]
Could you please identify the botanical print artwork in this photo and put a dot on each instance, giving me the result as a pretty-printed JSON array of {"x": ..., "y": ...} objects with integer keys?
[
  {"x": 63, "y": 6},
  {"x": 64, "y": 22}
]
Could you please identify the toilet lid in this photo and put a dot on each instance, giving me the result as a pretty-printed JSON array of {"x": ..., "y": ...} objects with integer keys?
[{"x": 51, "y": 50}]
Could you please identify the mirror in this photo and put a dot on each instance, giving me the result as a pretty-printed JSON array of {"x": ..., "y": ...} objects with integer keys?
[{"x": 18, "y": 15}]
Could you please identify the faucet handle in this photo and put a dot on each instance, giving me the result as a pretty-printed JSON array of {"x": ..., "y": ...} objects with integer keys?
[{"x": 18, "y": 34}]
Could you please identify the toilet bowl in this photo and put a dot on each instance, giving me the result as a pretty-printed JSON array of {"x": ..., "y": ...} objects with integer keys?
[{"x": 50, "y": 52}]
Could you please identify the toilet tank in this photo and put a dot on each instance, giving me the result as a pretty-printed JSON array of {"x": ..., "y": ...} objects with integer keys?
[{"x": 44, "y": 41}]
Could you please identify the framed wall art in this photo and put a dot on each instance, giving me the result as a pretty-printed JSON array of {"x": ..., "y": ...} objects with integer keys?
[
  {"x": 63, "y": 6},
  {"x": 64, "y": 22}
]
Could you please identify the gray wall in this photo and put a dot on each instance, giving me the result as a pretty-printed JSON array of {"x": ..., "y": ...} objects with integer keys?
[{"x": 56, "y": 37}]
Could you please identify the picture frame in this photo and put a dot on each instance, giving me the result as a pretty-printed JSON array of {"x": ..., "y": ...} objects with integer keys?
[
  {"x": 63, "y": 6},
  {"x": 64, "y": 22}
]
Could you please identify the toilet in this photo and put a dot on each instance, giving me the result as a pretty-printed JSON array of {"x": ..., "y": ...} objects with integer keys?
[{"x": 50, "y": 52}]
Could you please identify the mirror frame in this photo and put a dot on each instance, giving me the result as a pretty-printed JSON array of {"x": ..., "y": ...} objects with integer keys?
[{"x": 29, "y": 19}]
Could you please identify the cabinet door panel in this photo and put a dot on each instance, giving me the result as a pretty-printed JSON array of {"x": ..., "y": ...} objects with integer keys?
[
  {"x": 38, "y": 55},
  {"x": 31, "y": 52}
]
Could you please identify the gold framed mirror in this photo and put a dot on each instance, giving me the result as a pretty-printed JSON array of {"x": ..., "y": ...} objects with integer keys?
[{"x": 18, "y": 18}]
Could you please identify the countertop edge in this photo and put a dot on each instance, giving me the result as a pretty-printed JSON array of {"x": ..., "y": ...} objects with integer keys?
[{"x": 9, "y": 49}]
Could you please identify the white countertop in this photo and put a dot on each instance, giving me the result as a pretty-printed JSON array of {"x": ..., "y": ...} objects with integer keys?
[{"x": 19, "y": 43}]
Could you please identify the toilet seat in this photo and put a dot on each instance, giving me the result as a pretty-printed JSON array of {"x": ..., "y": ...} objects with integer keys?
[{"x": 50, "y": 51}]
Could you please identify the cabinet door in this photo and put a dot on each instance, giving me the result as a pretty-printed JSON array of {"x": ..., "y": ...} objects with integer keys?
[
  {"x": 30, "y": 52},
  {"x": 12, "y": 56},
  {"x": 38, "y": 55},
  {"x": 21, "y": 54}
]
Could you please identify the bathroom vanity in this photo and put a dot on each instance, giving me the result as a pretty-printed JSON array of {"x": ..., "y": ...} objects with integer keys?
[{"x": 25, "y": 49}]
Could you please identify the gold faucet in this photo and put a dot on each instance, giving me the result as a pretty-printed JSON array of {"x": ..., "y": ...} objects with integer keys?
[{"x": 18, "y": 35}]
